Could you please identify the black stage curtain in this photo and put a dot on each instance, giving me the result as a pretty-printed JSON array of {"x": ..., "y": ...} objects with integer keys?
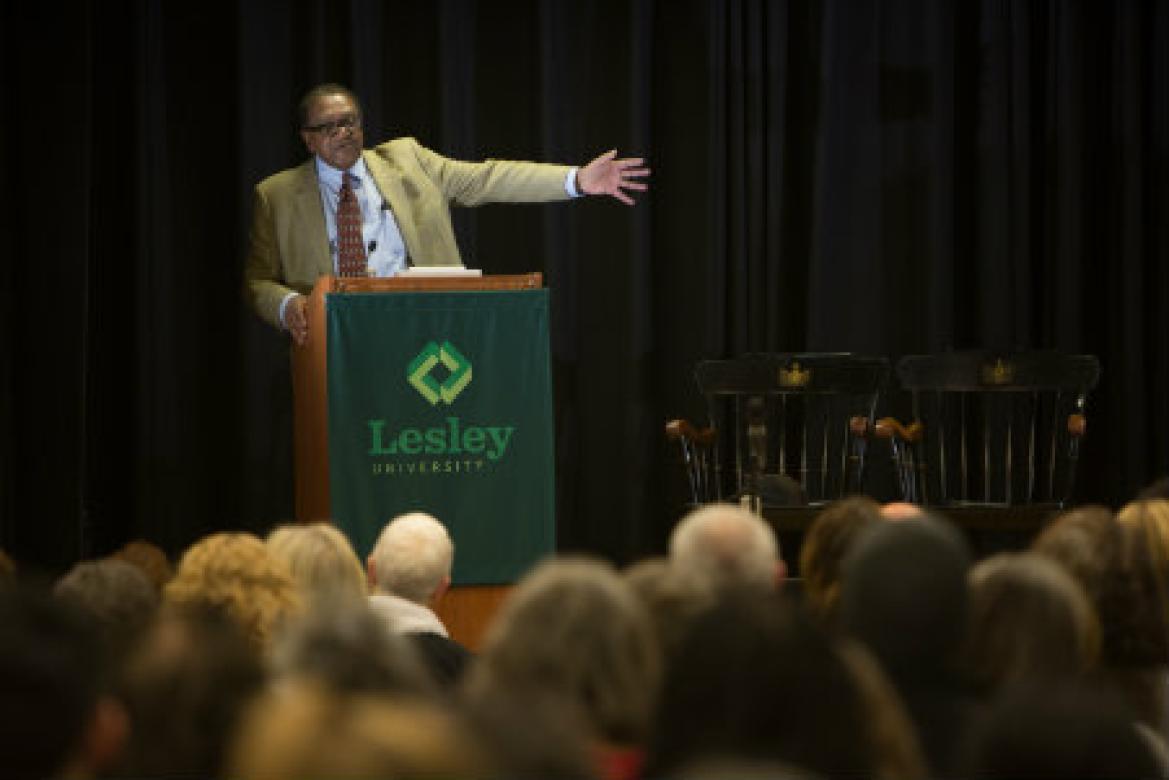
[{"x": 882, "y": 176}]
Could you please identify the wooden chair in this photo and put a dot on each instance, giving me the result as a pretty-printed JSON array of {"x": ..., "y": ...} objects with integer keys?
[
  {"x": 782, "y": 429},
  {"x": 991, "y": 430}
]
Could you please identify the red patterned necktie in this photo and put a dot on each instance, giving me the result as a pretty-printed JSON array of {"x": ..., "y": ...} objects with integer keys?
[{"x": 350, "y": 245}]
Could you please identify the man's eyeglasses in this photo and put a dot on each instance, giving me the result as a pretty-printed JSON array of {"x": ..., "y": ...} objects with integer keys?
[{"x": 347, "y": 122}]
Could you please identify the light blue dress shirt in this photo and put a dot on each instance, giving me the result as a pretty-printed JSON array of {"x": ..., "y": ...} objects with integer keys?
[{"x": 384, "y": 248}]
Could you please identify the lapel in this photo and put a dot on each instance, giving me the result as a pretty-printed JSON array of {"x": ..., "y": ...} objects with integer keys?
[
  {"x": 310, "y": 220},
  {"x": 389, "y": 184}
]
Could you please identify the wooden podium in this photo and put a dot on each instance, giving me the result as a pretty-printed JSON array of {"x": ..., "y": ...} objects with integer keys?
[{"x": 466, "y": 610}]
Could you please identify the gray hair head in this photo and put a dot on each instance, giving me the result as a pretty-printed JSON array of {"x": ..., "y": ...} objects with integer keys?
[
  {"x": 412, "y": 556},
  {"x": 726, "y": 547}
]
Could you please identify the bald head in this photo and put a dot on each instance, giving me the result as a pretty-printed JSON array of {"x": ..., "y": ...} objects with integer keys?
[
  {"x": 727, "y": 547},
  {"x": 901, "y": 510}
]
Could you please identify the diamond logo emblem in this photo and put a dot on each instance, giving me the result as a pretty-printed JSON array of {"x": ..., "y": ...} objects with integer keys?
[{"x": 419, "y": 375}]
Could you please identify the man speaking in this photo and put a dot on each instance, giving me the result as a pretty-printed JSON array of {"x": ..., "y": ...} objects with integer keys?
[{"x": 353, "y": 211}]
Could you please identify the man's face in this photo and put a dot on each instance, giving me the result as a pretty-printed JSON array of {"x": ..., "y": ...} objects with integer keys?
[{"x": 333, "y": 131}]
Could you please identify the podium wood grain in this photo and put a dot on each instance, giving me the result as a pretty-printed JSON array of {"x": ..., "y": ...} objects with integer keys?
[{"x": 467, "y": 612}]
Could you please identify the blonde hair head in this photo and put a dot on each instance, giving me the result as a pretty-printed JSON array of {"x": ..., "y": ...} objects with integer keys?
[
  {"x": 235, "y": 573},
  {"x": 1147, "y": 524},
  {"x": 321, "y": 560},
  {"x": 305, "y": 732},
  {"x": 1151, "y": 518}
]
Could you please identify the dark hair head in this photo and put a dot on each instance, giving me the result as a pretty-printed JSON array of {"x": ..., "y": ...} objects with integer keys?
[
  {"x": 7, "y": 568},
  {"x": 528, "y": 732},
  {"x": 185, "y": 687},
  {"x": 905, "y": 595},
  {"x": 348, "y": 649},
  {"x": 1065, "y": 731},
  {"x": 1157, "y": 489},
  {"x": 756, "y": 680},
  {"x": 117, "y": 594},
  {"x": 50, "y": 680},
  {"x": 150, "y": 558},
  {"x": 319, "y": 91},
  {"x": 672, "y": 599},
  {"x": 827, "y": 544},
  {"x": 1029, "y": 620}
]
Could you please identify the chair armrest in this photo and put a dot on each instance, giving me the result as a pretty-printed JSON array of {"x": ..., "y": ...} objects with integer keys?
[
  {"x": 892, "y": 428},
  {"x": 682, "y": 429}
]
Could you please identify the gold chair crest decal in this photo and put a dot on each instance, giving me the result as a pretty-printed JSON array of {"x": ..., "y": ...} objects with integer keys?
[
  {"x": 794, "y": 376},
  {"x": 998, "y": 374}
]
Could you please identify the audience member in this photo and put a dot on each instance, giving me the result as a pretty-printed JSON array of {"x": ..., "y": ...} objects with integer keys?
[
  {"x": 826, "y": 545},
  {"x": 727, "y": 548},
  {"x": 1058, "y": 732},
  {"x": 893, "y": 743},
  {"x": 184, "y": 688},
  {"x": 321, "y": 560},
  {"x": 150, "y": 559},
  {"x": 1086, "y": 542},
  {"x": 530, "y": 733},
  {"x": 901, "y": 510},
  {"x": 672, "y": 599},
  {"x": 1122, "y": 565},
  {"x": 742, "y": 769},
  {"x": 57, "y": 719},
  {"x": 1156, "y": 489},
  {"x": 118, "y": 595},
  {"x": 1149, "y": 520},
  {"x": 755, "y": 681},
  {"x": 1030, "y": 622},
  {"x": 409, "y": 572},
  {"x": 235, "y": 573},
  {"x": 1124, "y": 575},
  {"x": 345, "y": 647},
  {"x": 7, "y": 569},
  {"x": 304, "y": 732},
  {"x": 572, "y": 629},
  {"x": 905, "y": 598},
  {"x": 1137, "y": 648}
]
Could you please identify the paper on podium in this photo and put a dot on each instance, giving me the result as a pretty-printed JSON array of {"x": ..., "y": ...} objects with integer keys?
[{"x": 446, "y": 271}]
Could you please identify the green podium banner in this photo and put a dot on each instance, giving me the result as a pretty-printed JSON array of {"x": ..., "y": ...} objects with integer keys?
[{"x": 441, "y": 402}]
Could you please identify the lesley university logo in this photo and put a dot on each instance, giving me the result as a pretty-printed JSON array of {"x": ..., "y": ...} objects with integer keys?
[
  {"x": 452, "y": 445},
  {"x": 418, "y": 373}
]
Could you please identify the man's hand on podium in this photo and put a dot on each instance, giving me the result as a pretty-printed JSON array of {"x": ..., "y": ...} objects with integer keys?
[
  {"x": 606, "y": 175},
  {"x": 296, "y": 319}
]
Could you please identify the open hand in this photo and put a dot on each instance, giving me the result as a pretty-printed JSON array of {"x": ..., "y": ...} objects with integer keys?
[{"x": 607, "y": 175}]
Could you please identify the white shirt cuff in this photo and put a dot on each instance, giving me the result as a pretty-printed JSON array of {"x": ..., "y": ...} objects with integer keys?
[
  {"x": 283, "y": 305},
  {"x": 570, "y": 183}
]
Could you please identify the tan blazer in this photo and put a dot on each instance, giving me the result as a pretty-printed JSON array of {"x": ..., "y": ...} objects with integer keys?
[{"x": 289, "y": 247}]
